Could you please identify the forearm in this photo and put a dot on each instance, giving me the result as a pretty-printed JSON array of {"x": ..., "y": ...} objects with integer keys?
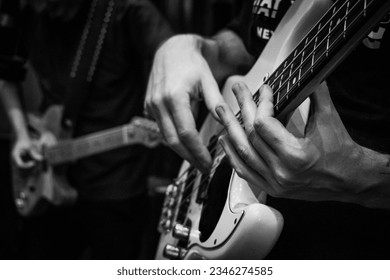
[
  {"x": 9, "y": 95},
  {"x": 226, "y": 55}
]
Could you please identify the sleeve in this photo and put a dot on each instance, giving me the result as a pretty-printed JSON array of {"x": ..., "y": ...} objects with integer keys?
[
  {"x": 240, "y": 24},
  {"x": 147, "y": 27},
  {"x": 12, "y": 57}
]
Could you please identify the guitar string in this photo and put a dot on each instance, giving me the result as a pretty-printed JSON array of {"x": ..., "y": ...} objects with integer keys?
[
  {"x": 82, "y": 141},
  {"x": 256, "y": 96},
  {"x": 310, "y": 56},
  {"x": 65, "y": 147}
]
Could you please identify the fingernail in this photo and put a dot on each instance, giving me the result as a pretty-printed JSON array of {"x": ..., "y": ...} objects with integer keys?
[
  {"x": 263, "y": 86},
  {"x": 204, "y": 168},
  {"x": 236, "y": 87},
  {"x": 220, "y": 111}
]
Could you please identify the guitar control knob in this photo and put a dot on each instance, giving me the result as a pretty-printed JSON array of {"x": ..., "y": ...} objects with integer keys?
[
  {"x": 181, "y": 232},
  {"x": 20, "y": 203},
  {"x": 165, "y": 224},
  {"x": 173, "y": 252},
  {"x": 171, "y": 202},
  {"x": 167, "y": 213},
  {"x": 172, "y": 191},
  {"x": 23, "y": 195}
]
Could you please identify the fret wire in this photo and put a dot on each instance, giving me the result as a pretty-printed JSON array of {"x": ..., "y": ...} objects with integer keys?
[
  {"x": 304, "y": 75},
  {"x": 273, "y": 77},
  {"x": 76, "y": 143},
  {"x": 345, "y": 21},
  {"x": 365, "y": 8},
  {"x": 310, "y": 40}
]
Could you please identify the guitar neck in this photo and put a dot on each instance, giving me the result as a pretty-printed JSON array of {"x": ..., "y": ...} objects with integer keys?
[
  {"x": 335, "y": 35},
  {"x": 70, "y": 150},
  {"x": 139, "y": 131}
]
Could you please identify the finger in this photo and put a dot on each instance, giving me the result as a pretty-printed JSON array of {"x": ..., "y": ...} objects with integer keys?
[
  {"x": 187, "y": 138},
  {"x": 23, "y": 164},
  {"x": 245, "y": 172},
  {"x": 269, "y": 128},
  {"x": 168, "y": 131},
  {"x": 36, "y": 155},
  {"x": 211, "y": 93},
  {"x": 246, "y": 104},
  {"x": 148, "y": 107},
  {"x": 239, "y": 139},
  {"x": 248, "y": 113},
  {"x": 24, "y": 159}
]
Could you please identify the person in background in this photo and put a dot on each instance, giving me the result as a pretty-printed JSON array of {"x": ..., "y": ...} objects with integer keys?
[
  {"x": 331, "y": 185},
  {"x": 108, "y": 217}
]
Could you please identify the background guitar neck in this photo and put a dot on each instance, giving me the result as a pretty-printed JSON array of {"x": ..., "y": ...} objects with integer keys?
[{"x": 139, "y": 131}]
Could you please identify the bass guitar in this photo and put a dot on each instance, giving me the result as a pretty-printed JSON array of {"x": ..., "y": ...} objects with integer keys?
[
  {"x": 218, "y": 215},
  {"x": 35, "y": 188}
]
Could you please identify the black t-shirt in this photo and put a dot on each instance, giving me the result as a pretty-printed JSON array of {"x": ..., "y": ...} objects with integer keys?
[
  {"x": 117, "y": 90},
  {"x": 359, "y": 90}
]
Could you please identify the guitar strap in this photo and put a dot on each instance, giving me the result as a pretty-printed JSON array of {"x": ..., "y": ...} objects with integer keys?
[{"x": 86, "y": 59}]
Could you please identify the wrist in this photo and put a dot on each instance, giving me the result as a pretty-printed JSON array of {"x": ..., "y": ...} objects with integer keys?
[
  {"x": 373, "y": 179},
  {"x": 21, "y": 134}
]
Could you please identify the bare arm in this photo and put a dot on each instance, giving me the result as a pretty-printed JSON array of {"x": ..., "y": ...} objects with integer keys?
[
  {"x": 187, "y": 68},
  {"x": 10, "y": 98},
  {"x": 9, "y": 94}
]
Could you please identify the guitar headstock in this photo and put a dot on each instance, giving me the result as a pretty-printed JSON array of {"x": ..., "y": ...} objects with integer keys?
[{"x": 143, "y": 131}]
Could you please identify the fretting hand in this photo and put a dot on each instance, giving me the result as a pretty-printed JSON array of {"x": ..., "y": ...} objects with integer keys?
[{"x": 326, "y": 164}]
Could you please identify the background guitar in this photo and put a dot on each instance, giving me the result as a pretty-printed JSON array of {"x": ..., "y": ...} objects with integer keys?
[{"x": 45, "y": 183}]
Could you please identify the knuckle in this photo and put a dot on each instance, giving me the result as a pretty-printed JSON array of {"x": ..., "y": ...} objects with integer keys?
[
  {"x": 282, "y": 178},
  {"x": 301, "y": 161},
  {"x": 172, "y": 141},
  {"x": 240, "y": 172},
  {"x": 259, "y": 124},
  {"x": 298, "y": 159},
  {"x": 186, "y": 134},
  {"x": 251, "y": 133},
  {"x": 244, "y": 153},
  {"x": 154, "y": 102}
]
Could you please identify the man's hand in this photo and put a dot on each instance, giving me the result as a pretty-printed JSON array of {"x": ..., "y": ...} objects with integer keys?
[
  {"x": 26, "y": 152},
  {"x": 180, "y": 76},
  {"x": 324, "y": 165}
]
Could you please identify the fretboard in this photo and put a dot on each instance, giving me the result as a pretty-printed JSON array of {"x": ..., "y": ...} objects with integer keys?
[
  {"x": 335, "y": 35},
  {"x": 139, "y": 131},
  {"x": 71, "y": 150}
]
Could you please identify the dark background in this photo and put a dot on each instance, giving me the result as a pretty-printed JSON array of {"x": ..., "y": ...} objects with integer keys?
[{"x": 196, "y": 16}]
